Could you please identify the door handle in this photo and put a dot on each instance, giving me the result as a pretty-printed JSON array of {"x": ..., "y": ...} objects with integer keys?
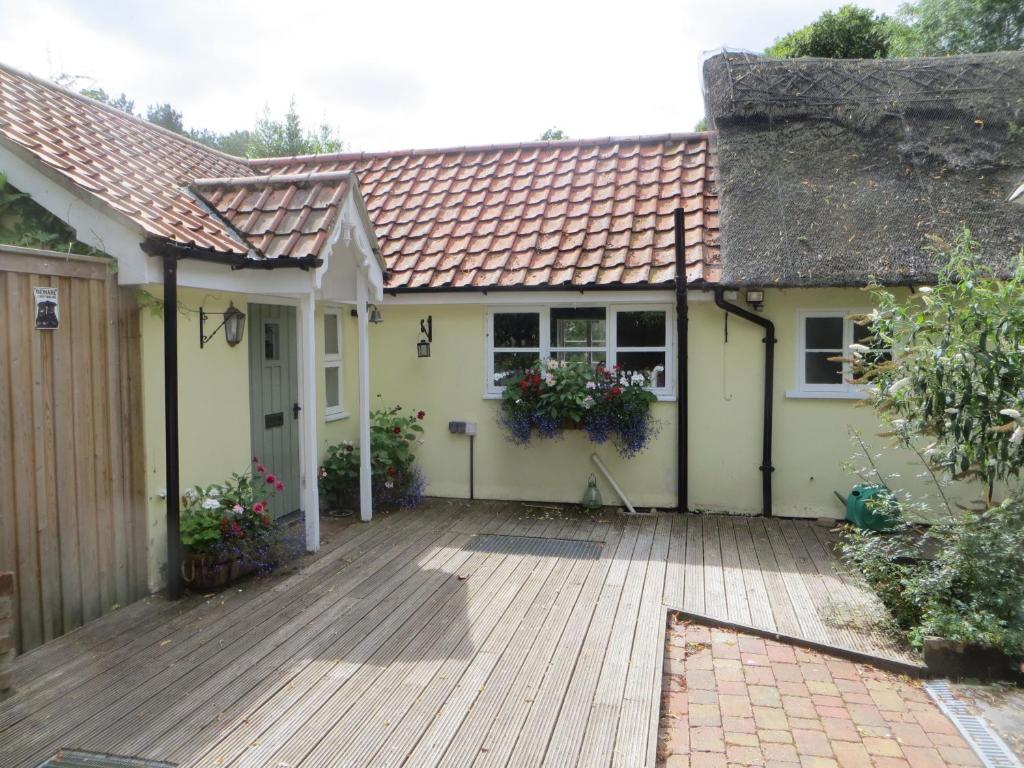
[{"x": 295, "y": 410}]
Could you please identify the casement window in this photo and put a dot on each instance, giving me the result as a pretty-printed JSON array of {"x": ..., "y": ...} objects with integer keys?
[
  {"x": 333, "y": 384},
  {"x": 635, "y": 337},
  {"x": 823, "y": 336}
]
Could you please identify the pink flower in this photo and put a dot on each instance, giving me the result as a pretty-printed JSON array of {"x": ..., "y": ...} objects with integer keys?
[
  {"x": 258, "y": 507},
  {"x": 420, "y": 415},
  {"x": 279, "y": 486},
  {"x": 261, "y": 469},
  {"x": 271, "y": 479}
]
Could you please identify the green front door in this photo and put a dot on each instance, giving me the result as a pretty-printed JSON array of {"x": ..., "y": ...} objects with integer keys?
[{"x": 274, "y": 398}]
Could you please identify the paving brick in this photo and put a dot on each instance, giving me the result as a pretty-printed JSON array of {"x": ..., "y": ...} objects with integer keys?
[
  {"x": 735, "y": 706},
  {"x": 787, "y": 688},
  {"x": 960, "y": 756},
  {"x": 882, "y": 747},
  {"x": 785, "y": 753},
  {"x": 739, "y": 724},
  {"x": 701, "y": 679},
  {"x": 839, "y": 729},
  {"x": 750, "y": 644},
  {"x": 797, "y": 706},
  {"x": 811, "y": 761},
  {"x": 775, "y": 737},
  {"x": 735, "y": 753},
  {"x": 813, "y": 743},
  {"x": 755, "y": 675},
  {"x": 779, "y": 652},
  {"x": 700, "y": 696},
  {"x": 911, "y": 734},
  {"x": 764, "y": 696},
  {"x": 788, "y": 672},
  {"x": 707, "y": 739},
  {"x": 923, "y": 757},
  {"x": 807, "y": 723},
  {"x": 739, "y": 738},
  {"x": 705, "y": 714},
  {"x": 888, "y": 699},
  {"x": 852, "y": 755},
  {"x": 771, "y": 718}
]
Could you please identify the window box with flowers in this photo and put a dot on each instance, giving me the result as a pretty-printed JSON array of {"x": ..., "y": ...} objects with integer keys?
[
  {"x": 609, "y": 404},
  {"x": 397, "y": 482},
  {"x": 228, "y": 529}
]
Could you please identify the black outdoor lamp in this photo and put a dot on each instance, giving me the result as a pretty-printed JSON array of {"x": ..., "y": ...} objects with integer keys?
[
  {"x": 427, "y": 334},
  {"x": 233, "y": 325}
]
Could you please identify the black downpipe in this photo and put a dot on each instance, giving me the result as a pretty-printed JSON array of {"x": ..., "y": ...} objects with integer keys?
[
  {"x": 769, "y": 393},
  {"x": 171, "y": 424},
  {"x": 682, "y": 377},
  {"x": 471, "y": 439}
]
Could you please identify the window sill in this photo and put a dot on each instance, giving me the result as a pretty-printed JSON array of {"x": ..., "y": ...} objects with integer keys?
[
  {"x": 796, "y": 394},
  {"x": 338, "y": 416},
  {"x": 663, "y": 397}
]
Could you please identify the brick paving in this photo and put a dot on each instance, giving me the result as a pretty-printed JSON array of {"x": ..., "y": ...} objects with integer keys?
[{"x": 732, "y": 699}]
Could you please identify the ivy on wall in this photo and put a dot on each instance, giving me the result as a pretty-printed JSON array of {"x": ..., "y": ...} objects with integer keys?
[{"x": 25, "y": 223}]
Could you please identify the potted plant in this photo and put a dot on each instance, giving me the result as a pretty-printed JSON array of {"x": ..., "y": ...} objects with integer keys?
[
  {"x": 396, "y": 481},
  {"x": 227, "y": 528},
  {"x": 607, "y": 403}
]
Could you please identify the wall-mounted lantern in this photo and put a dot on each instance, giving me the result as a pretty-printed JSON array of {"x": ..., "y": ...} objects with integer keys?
[
  {"x": 756, "y": 300},
  {"x": 233, "y": 325},
  {"x": 426, "y": 336}
]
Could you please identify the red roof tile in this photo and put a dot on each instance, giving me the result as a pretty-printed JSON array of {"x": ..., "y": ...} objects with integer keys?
[{"x": 570, "y": 213}]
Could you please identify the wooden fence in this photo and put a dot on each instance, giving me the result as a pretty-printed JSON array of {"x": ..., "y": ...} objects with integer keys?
[{"x": 72, "y": 507}]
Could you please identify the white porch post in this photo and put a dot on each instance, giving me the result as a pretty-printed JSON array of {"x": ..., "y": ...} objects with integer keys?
[
  {"x": 365, "y": 482},
  {"x": 311, "y": 491}
]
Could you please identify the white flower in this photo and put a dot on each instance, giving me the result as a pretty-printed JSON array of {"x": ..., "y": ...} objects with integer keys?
[
  {"x": 190, "y": 494},
  {"x": 238, "y": 509},
  {"x": 1018, "y": 434},
  {"x": 211, "y": 504},
  {"x": 588, "y": 402},
  {"x": 623, "y": 381},
  {"x": 896, "y": 386},
  {"x": 498, "y": 377},
  {"x": 1013, "y": 413},
  {"x": 549, "y": 379},
  {"x": 213, "y": 493},
  {"x": 389, "y": 483},
  {"x": 925, "y": 289},
  {"x": 658, "y": 369},
  {"x": 638, "y": 378},
  {"x": 552, "y": 364},
  {"x": 952, "y": 411},
  {"x": 591, "y": 385},
  {"x": 860, "y": 348}
]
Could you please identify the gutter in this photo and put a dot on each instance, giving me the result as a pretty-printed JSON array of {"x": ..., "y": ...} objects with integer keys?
[
  {"x": 156, "y": 246},
  {"x": 682, "y": 373},
  {"x": 769, "y": 340}
]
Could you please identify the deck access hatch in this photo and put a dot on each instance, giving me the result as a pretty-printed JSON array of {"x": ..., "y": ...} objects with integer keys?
[
  {"x": 536, "y": 546},
  {"x": 73, "y": 758}
]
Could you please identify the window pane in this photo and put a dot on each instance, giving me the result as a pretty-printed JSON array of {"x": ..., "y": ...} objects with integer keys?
[
  {"x": 645, "y": 362},
  {"x": 640, "y": 329},
  {"x": 862, "y": 335},
  {"x": 332, "y": 381},
  {"x": 818, "y": 369},
  {"x": 511, "y": 365},
  {"x": 824, "y": 332},
  {"x": 578, "y": 327},
  {"x": 271, "y": 341},
  {"x": 593, "y": 358},
  {"x": 517, "y": 329},
  {"x": 331, "y": 334}
]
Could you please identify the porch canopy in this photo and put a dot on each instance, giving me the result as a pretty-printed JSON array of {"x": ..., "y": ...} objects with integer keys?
[{"x": 172, "y": 210}]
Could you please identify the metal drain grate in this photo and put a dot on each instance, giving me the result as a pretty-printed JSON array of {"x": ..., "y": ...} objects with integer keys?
[
  {"x": 991, "y": 750},
  {"x": 73, "y": 758},
  {"x": 536, "y": 546}
]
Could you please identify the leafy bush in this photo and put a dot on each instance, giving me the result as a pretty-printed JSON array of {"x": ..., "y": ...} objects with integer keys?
[
  {"x": 233, "y": 520},
  {"x": 396, "y": 481},
  {"x": 969, "y": 592},
  {"x": 955, "y": 381},
  {"x": 608, "y": 404}
]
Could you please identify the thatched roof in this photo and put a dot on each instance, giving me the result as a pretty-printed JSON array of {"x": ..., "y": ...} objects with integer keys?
[{"x": 834, "y": 171}]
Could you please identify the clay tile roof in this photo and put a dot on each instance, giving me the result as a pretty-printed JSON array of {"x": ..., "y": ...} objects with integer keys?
[
  {"x": 282, "y": 215},
  {"x": 562, "y": 213},
  {"x": 136, "y": 168}
]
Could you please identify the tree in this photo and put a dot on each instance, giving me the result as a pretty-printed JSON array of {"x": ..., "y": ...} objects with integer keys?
[
  {"x": 285, "y": 138},
  {"x": 165, "y": 116},
  {"x": 702, "y": 124},
  {"x": 941, "y": 27},
  {"x": 121, "y": 102},
  {"x": 554, "y": 134},
  {"x": 849, "y": 33}
]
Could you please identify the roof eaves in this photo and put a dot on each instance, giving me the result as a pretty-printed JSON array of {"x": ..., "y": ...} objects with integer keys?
[{"x": 236, "y": 235}]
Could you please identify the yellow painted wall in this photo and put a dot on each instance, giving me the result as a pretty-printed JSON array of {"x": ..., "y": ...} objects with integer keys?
[
  {"x": 449, "y": 386},
  {"x": 811, "y": 437},
  {"x": 213, "y": 396}
]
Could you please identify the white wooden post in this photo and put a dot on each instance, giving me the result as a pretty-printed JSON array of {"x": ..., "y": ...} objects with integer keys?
[
  {"x": 311, "y": 490},
  {"x": 365, "y": 479}
]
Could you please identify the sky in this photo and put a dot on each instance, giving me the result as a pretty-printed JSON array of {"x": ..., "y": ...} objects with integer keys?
[{"x": 400, "y": 75}]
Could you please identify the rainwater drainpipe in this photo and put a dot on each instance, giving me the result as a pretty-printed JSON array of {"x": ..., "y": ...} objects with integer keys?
[
  {"x": 170, "y": 261},
  {"x": 769, "y": 378},
  {"x": 682, "y": 377}
]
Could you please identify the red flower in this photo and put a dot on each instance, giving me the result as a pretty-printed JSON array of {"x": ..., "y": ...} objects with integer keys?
[
  {"x": 392, "y": 471},
  {"x": 349, "y": 448},
  {"x": 279, "y": 486},
  {"x": 265, "y": 519},
  {"x": 420, "y": 415},
  {"x": 236, "y": 529},
  {"x": 271, "y": 479},
  {"x": 397, "y": 430},
  {"x": 258, "y": 507},
  {"x": 260, "y": 468},
  {"x": 618, "y": 367},
  {"x": 615, "y": 392}
]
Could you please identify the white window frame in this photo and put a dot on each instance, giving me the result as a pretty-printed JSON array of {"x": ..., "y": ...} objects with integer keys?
[
  {"x": 333, "y": 413},
  {"x": 666, "y": 393},
  {"x": 842, "y": 391}
]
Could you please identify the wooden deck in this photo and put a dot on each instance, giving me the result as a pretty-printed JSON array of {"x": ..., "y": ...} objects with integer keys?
[{"x": 431, "y": 638}]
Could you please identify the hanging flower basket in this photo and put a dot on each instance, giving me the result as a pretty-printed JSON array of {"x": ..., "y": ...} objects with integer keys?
[{"x": 608, "y": 404}]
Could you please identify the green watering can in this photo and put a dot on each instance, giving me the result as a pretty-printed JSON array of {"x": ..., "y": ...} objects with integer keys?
[{"x": 862, "y": 513}]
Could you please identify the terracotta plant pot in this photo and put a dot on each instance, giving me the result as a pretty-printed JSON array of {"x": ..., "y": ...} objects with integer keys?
[{"x": 202, "y": 572}]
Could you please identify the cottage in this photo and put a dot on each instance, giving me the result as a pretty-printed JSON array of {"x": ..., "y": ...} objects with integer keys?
[{"x": 476, "y": 261}]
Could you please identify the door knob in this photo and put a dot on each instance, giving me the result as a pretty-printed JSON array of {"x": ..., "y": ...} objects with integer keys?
[{"x": 295, "y": 410}]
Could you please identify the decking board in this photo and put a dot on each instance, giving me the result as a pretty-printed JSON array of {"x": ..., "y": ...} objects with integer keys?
[{"x": 402, "y": 644}]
